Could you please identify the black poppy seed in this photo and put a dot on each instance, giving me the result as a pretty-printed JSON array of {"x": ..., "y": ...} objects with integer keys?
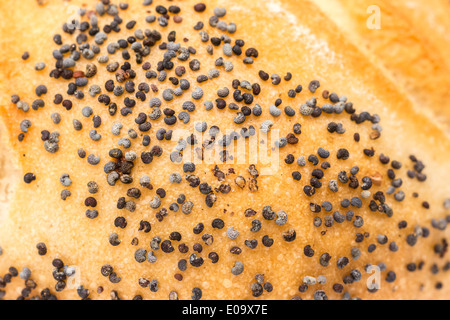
[
  {"x": 289, "y": 159},
  {"x": 313, "y": 159},
  {"x": 411, "y": 174},
  {"x": 309, "y": 190},
  {"x": 359, "y": 222},
  {"x": 251, "y": 52},
  {"x": 384, "y": 159},
  {"x": 420, "y": 265},
  {"x": 343, "y": 154},
  {"x": 276, "y": 79},
  {"x": 421, "y": 177},
  {"x": 13, "y": 271},
  {"x": 315, "y": 183},
  {"x": 296, "y": 175},
  {"x": 366, "y": 183},
  {"x": 268, "y": 213},
  {"x": 349, "y": 108},
  {"x": 446, "y": 267},
  {"x": 90, "y": 202},
  {"x": 252, "y": 244},
  {"x": 266, "y": 241},
  {"x": 256, "y": 89},
  {"x": 303, "y": 288},
  {"x": 29, "y": 177},
  {"x": 342, "y": 262},
  {"x": 338, "y": 288},
  {"x": 348, "y": 279},
  {"x": 396, "y": 164},
  {"x": 175, "y": 236},
  {"x": 58, "y": 263},
  {"x": 308, "y": 251},
  {"x": 166, "y": 246},
  {"x": 354, "y": 170},
  {"x": 289, "y": 235},
  {"x": 196, "y": 293},
  {"x": 214, "y": 257},
  {"x": 198, "y": 228},
  {"x": 200, "y": 7},
  {"x": 325, "y": 259},
  {"x": 356, "y": 202},
  {"x": 57, "y": 39},
  {"x": 288, "y": 76},
  {"x": 208, "y": 239},
  {"x": 391, "y": 276},
  {"x": 40, "y": 90},
  {"x": 42, "y": 248},
  {"x": 236, "y": 250},
  {"x": 15, "y": 98},
  {"x": 317, "y": 222},
  {"x": 325, "y": 165},
  {"x": 195, "y": 261},
  {"x": 313, "y": 86},
  {"x": 130, "y": 25},
  {"x": 114, "y": 278},
  {"x": 393, "y": 247},
  {"x": 324, "y": 154},
  {"x": 240, "y": 42},
  {"x": 268, "y": 287},
  {"x": 418, "y": 166},
  {"x": 354, "y": 183},
  {"x": 218, "y": 223},
  {"x": 7, "y": 279},
  {"x": 161, "y": 193},
  {"x": 334, "y": 97},
  {"x": 145, "y": 226},
  {"x": 318, "y": 173},
  {"x": 329, "y": 221},
  {"x": 183, "y": 248},
  {"x": 263, "y": 75},
  {"x": 257, "y": 289},
  {"x": 338, "y": 217},
  {"x": 369, "y": 152}
]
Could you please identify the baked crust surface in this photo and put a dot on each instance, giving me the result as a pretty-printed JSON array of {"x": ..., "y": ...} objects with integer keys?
[
  {"x": 291, "y": 36},
  {"x": 412, "y": 46}
]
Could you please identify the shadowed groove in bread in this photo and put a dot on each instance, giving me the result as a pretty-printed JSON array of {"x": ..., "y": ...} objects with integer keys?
[{"x": 296, "y": 255}]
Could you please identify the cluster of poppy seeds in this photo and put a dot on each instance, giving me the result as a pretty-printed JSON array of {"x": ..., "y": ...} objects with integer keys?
[{"x": 135, "y": 48}]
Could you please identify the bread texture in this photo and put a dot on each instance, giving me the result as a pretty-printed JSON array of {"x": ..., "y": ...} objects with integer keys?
[
  {"x": 291, "y": 37},
  {"x": 411, "y": 45}
]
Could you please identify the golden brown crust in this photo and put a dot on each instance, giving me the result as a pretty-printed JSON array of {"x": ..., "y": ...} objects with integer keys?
[
  {"x": 302, "y": 42},
  {"x": 412, "y": 46}
]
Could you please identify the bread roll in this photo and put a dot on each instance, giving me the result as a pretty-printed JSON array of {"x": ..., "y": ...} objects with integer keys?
[{"x": 352, "y": 189}]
